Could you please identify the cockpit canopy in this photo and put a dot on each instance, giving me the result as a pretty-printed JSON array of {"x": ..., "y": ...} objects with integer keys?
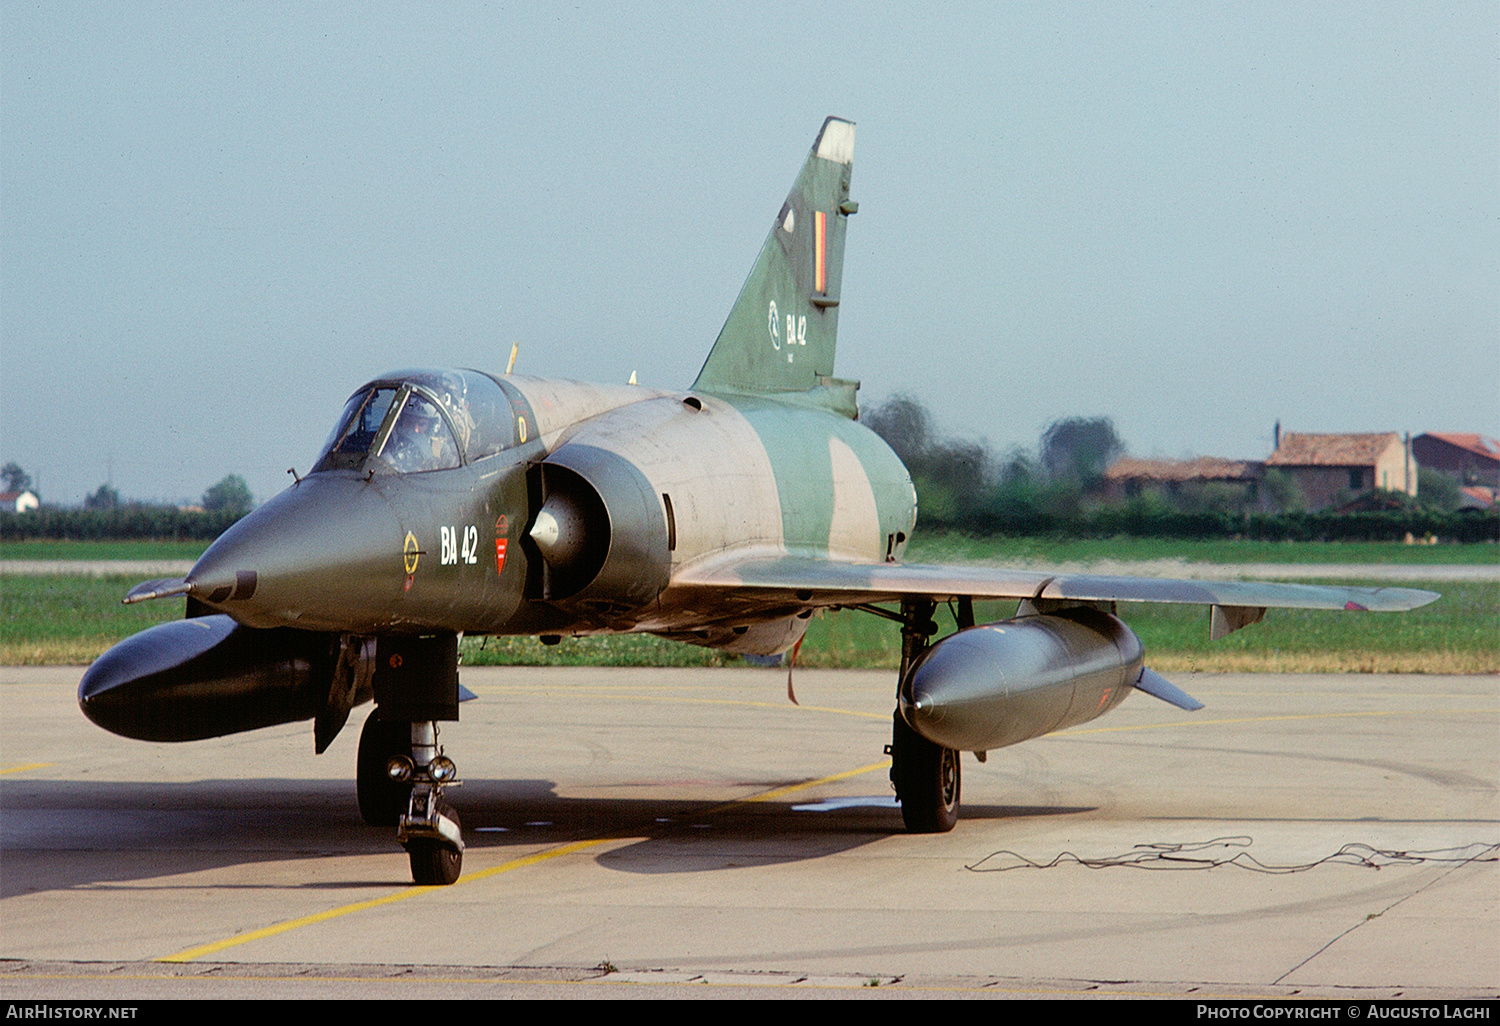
[{"x": 414, "y": 421}]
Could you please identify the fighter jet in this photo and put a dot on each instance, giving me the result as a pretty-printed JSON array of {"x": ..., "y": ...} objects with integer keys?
[{"x": 453, "y": 502}]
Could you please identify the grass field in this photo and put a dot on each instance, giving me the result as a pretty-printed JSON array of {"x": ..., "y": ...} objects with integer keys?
[
  {"x": 189, "y": 550},
  {"x": 67, "y": 619}
]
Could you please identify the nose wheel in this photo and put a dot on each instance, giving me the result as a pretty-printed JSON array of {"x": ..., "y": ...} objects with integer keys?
[
  {"x": 402, "y": 771},
  {"x": 429, "y": 828},
  {"x": 401, "y": 776},
  {"x": 436, "y": 861}
]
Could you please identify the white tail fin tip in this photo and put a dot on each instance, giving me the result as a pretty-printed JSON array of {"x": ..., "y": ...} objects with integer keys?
[{"x": 836, "y": 142}]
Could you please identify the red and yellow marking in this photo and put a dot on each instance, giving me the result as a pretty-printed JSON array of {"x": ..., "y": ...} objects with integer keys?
[{"x": 820, "y": 249}]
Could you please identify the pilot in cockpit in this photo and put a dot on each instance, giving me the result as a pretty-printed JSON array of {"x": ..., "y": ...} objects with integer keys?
[{"x": 420, "y": 440}]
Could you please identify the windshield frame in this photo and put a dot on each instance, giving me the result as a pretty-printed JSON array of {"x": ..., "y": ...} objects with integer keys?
[
  {"x": 388, "y": 425},
  {"x": 404, "y": 448},
  {"x": 376, "y": 457}
]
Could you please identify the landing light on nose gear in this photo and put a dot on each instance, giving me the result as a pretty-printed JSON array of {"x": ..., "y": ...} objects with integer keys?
[
  {"x": 429, "y": 829},
  {"x": 402, "y": 772}
]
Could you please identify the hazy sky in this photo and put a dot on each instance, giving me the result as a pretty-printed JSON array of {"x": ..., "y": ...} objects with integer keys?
[{"x": 217, "y": 220}]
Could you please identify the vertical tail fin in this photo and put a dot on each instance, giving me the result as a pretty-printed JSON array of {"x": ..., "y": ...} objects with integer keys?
[{"x": 780, "y": 334}]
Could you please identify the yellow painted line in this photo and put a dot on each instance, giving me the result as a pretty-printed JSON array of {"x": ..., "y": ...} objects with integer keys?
[
  {"x": 292, "y": 924},
  {"x": 411, "y": 892},
  {"x": 200, "y": 951},
  {"x": 771, "y": 796},
  {"x": 22, "y": 769}
]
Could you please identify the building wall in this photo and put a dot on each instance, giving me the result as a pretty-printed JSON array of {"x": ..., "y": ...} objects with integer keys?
[
  {"x": 1392, "y": 471},
  {"x": 1456, "y": 461},
  {"x": 1322, "y": 485}
]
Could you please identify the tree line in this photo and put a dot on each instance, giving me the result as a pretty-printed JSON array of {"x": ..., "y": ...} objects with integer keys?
[
  {"x": 106, "y": 516},
  {"x": 961, "y": 486},
  {"x": 1058, "y": 489},
  {"x": 127, "y": 521}
]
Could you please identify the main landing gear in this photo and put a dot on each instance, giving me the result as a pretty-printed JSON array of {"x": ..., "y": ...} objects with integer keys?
[
  {"x": 401, "y": 769},
  {"x": 381, "y": 799},
  {"x": 926, "y": 775},
  {"x": 927, "y": 781}
]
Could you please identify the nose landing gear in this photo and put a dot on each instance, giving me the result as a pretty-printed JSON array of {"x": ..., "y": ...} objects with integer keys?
[
  {"x": 402, "y": 772},
  {"x": 429, "y": 828},
  {"x": 381, "y": 799}
]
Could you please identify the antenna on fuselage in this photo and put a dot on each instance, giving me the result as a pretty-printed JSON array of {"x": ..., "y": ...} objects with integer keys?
[{"x": 515, "y": 347}]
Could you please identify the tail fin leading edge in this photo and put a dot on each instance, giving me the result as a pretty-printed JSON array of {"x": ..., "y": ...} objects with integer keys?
[{"x": 780, "y": 335}]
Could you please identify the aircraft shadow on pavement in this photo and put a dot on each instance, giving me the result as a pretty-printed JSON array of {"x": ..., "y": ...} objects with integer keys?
[{"x": 63, "y": 834}]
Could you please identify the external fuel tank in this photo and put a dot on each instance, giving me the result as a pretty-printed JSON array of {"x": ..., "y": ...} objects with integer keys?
[{"x": 1002, "y": 683}]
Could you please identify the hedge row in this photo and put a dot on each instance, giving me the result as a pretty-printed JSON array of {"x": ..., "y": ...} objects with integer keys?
[
  {"x": 1020, "y": 520},
  {"x": 1142, "y": 522},
  {"x": 124, "y": 522}
]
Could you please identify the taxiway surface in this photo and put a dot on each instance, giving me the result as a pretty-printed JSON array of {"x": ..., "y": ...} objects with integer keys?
[{"x": 648, "y": 832}]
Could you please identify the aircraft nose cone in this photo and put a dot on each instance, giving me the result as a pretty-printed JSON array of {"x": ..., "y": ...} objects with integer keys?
[{"x": 326, "y": 554}]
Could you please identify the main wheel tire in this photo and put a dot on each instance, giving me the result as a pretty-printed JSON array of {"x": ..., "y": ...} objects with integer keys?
[
  {"x": 927, "y": 778},
  {"x": 381, "y": 799},
  {"x": 435, "y": 863}
]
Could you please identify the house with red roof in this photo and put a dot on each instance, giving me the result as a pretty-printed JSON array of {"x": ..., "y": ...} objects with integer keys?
[
  {"x": 1472, "y": 459},
  {"x": 1326, "y": 465},
  {"x": 20, "y": 502},
  {"x": 1128, "y": 476}
]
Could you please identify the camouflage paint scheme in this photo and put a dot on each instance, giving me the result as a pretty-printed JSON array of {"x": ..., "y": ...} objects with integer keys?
[
  {"x": 457, "y": 502},
  {"x": 780, "y": 501},
  {"x": 761, "y": 458}
]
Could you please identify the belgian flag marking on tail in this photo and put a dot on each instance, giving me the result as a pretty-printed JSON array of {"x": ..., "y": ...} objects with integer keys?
[
  {"x": 820, "y": 251},
  {"x": 791, "y": 297}
]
